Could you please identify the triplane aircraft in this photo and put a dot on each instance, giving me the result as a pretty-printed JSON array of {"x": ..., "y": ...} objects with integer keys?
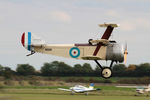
[{"x": 101, "y": 49}]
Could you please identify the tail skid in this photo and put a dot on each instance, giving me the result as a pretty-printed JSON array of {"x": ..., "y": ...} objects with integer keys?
[{"x": 32, "y": 52}]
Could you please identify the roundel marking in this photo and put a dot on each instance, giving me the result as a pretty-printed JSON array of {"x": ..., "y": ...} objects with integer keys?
[{"x": 74, "y": 52}]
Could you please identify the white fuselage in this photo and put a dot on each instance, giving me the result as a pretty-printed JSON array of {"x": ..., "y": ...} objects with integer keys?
[
  {"x": 80, "y": 88},
  {"x": 141, "y": 91}
]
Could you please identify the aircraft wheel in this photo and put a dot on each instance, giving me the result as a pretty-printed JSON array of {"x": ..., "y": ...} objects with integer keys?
[
  {"x": 147, "y": 95},
  {"x": 106, "y": 72},
  {"x": 86, "y": 93},
  {"x": 72, "y": 93}
]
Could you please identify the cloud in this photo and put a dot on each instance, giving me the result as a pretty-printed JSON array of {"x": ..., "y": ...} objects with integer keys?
[
  {"x": 112, "y": 13},
  {"x": 127, "y": 26},
  {"x": 54, "y": 16},
  {"x": 60, "y": 16},
  {"x": 133, "y": 24}
]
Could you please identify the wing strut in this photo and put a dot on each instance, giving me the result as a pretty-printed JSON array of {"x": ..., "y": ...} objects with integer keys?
[
  {"x": 106, "y": 35},
  {"x": 98, "y": 64}
]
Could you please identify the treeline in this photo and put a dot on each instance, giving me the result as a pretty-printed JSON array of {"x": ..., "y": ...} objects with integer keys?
[{"x": 56, "y": 68}]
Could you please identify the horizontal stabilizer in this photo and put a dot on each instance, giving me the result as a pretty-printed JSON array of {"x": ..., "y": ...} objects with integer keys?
[
  {"x": 106, "y": 25},
  {"x": 91, "y": 58}
]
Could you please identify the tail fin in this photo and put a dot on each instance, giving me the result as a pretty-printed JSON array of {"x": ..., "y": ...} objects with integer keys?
[
  {"x": 91, "y": 85},
  {"x": 28, "y": 40}
]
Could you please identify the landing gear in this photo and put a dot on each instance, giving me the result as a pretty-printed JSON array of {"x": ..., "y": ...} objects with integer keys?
[
  {"x": 106, "y": 71},
  {"x": 86, "y": 93},
  {"x": 72, "y": 92}
]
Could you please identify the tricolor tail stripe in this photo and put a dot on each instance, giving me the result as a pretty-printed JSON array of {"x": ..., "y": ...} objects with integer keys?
[
  {"x": 29, "y": 41},
  {"x": 23, "y": 39}
]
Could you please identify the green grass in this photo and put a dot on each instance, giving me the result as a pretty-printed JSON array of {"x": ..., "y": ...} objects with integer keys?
[
  {"x": 55, "y": 87},
  {"x": 33, "y": 87},
  {"x": 96, "y": 79},
  {"x": 105, "y": 90},
  {"x": 52, "y": 93},
  {"x": 66, "y": 97}
]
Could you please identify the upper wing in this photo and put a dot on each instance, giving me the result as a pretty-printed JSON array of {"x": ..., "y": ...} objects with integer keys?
[
  {"x": 64, "y": 89},
  {"x": 106, "y": 35}
]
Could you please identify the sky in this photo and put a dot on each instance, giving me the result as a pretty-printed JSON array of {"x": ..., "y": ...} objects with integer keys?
[{"x": 72, "y": 21}]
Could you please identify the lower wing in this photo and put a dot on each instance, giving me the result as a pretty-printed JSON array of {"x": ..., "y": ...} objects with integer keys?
[{"x": 91, "y": 57}]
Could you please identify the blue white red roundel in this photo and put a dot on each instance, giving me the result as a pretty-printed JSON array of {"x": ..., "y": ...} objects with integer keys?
[{"x": 74, "y": 52}]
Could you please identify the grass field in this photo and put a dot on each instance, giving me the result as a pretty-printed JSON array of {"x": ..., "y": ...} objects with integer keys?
[
  {"x": 52, "y": 93},
  {"x": 44, "y": 88},
  {"x": 67, "y": 97}
]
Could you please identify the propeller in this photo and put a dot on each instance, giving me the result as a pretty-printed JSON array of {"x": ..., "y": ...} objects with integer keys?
[{"x": 125, "y": 54}]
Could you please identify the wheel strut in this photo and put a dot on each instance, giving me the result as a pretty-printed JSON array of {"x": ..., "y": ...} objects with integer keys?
[
  {"x": 106, "y": 71},
  {"x": 98, "y": 64},
  {"x": 101, "y": 66},
  {"x": 111, "y": 63}
]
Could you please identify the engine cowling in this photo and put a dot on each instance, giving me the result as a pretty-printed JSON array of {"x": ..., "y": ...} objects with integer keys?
[{"x": 115, "y": 52}]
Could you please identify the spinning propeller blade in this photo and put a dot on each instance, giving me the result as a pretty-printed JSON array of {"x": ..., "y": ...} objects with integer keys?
[{"x": 125, "y": 54}]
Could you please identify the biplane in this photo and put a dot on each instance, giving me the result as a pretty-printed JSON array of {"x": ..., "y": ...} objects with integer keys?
[{"x": 100, "y": 49}]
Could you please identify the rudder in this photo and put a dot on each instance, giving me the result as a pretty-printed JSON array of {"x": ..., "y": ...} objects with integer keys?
[{"x": 28, "y": 40}]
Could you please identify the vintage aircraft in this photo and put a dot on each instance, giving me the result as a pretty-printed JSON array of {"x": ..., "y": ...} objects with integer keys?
[
  {"x": 142, "y": 90},
  {"x": 101, "y": 49},
  {"x": 139, "y": 89},
  {"x": 80, "y": 89}
]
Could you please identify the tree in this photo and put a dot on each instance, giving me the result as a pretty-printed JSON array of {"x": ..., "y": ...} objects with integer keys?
[
  {"x": 25, "y": 69},
  {"x": 131, "y": 67},
  {"x": 56, "y": 69},
  {"x": 143, "y": 70},
  {"x": 48, "y": 69},
  {"x": 1, "y": 69},
  {"x": 7, "y": 72},
  {"x": 64, "y": 69},
  {"x": 87, "y": 69},
  {"x": 97, "y": 71},
  {"x": 130, "y": 71},
  {"x": 77, "y": 70},
  {"x": 119, "y": 70}
]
